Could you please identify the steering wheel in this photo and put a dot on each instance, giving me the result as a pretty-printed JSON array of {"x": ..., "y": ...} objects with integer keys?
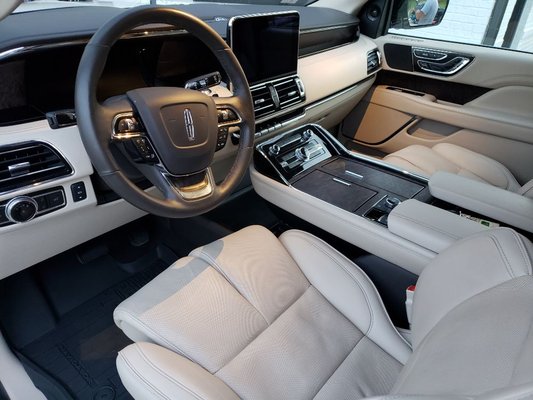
[{"x": 170, "y": 134}]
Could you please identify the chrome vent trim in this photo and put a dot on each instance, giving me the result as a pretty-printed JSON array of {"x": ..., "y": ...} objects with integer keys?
[
  {"x": 277, "y": 95},
  {"x": 29, "y": 163},
  {"x": 373, "y": 61}
]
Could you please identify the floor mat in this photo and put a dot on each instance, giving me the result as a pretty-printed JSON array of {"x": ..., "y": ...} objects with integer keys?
[{"x": 80, "y": 351}]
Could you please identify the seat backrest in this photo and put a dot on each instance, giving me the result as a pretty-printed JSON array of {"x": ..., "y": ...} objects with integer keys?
[{"x": 473, "y": 318}]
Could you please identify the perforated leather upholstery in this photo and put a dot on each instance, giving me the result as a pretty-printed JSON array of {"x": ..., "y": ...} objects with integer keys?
[
  {"x": 458, "y": 160},
  {"x": 255, "y": 317}
]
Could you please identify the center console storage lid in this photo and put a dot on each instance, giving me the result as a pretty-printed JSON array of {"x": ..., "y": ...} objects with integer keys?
[
  {"x": 502, "y": 205},
  {"x": 430, "y": 227}
]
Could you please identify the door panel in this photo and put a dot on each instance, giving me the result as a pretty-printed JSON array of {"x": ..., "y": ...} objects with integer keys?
[{"x": 490, "y": 112}]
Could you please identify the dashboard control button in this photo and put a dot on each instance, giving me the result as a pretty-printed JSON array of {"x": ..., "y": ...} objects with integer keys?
[
  {"x": 222, "y": 138},
  {"x": 226, "y": 115},
  {"x": 144, "y": 149},
  {"x": 127, "y": 124},
  {"x": 21, "y": 209},
  {"x": 42, "y": 203},
  {"x": 78, "y": 190},
  {"x": 55, "y": 199},
  {"x": 392, "y": 202}
]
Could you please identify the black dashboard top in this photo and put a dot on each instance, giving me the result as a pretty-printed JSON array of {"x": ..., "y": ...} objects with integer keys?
[
  {"x": 63, "y": 24},
  {"x": 40, "y": 52}
]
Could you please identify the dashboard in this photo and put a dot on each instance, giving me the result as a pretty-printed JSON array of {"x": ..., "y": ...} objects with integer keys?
[{"x": 326, "y": 79}]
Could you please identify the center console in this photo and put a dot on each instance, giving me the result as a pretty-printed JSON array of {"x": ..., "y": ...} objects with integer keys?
[
  {"x": 391, "y": 213},
  {"x": 308, "y": 159}
]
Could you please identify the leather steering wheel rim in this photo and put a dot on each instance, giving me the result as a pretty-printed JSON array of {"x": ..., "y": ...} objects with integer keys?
[{"x": 95, "y": 118}]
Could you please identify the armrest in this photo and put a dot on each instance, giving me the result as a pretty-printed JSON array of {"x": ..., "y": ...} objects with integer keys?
[
  {"x": 502, "y": 205},
  {"x": 429, "y": 226}
]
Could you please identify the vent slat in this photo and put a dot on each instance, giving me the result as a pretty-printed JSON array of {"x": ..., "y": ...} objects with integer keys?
[
  {"x": 263, "y": 102},
  {"x": 286, "y": 93},
  {"x": 43, "y": 163},
  {"x": 373, "y": 61}
]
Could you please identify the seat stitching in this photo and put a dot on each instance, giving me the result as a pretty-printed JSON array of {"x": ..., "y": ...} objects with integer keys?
[
  {"x": 264, "y": 330},
  {"x": 170, "y": 378},
  {"x": 338, "y": 366},
  {"x": 218, "y": 267},
  {"x": 149, "y": 385},
  {"x": 523, "y": 252},
  {"x": 351, "y": 275},
  {"x": 426, "y": 225},
  {"x": 508, "y": 266}
]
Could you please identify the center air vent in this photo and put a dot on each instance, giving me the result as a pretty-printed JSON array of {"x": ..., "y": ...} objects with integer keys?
[
  {"x": 278, "y": 95},
  {"x": 373, "y": 61},
  {"x": 263, "y": 101},
  {"x": 28, "y": 163}
]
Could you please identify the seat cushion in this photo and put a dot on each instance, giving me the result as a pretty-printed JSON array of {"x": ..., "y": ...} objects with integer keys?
[
  {"x": 454, "y": 159},
  {"x": 266, "y": 318}
]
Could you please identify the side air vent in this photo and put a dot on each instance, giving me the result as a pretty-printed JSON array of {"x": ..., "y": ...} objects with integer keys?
[
  {"x": 277, "y": 95},
  {"x": 28, "y": 163},
  {"x": 373, "y": 61}
]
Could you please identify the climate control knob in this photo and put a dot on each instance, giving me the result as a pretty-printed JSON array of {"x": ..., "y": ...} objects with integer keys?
[
  {"x": 21, "y": 209},
  {"x": 302, "y": 153},
  {"x": 274, "y": 150}
]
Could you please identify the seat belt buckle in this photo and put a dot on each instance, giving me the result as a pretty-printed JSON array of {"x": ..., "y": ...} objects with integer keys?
[{"x": 409, "y": 294}]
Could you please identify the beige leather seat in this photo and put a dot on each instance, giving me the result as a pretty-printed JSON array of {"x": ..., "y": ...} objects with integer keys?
[
  {"x": 458, "y": 160},
  {"x": 256, "y": 317}
]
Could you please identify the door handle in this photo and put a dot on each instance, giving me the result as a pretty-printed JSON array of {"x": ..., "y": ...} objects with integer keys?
[{"x": 449, "y": 67}]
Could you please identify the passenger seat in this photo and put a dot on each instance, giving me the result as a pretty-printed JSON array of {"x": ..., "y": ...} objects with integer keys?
[{"x": 458, "y": 160}]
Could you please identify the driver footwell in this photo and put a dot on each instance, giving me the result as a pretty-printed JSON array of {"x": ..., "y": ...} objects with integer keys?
[{"x": 58, "y": 315}]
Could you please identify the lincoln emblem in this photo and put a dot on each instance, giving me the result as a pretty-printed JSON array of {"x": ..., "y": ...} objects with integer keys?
[{"x": 189, "y": 124}]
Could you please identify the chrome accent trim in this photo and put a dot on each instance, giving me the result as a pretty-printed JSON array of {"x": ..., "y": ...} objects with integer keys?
[
  {"x": 229, "y": 123},
  {"x": 131, "y": 35},
  {"x": 123, "y": 136},
  {"x": 342, "y": 182},
  {"x": 327, "y": 28},
  {"x": 18, "y": 169},
  {"x": 463, "y": 63},
  {"x": 358, "y": 176},
  {"x": 205, "y": 191},
  {"x": 189, "y": 124},
  {"x": 16, "y": 200},
  {"x": 443, "y": 52}
]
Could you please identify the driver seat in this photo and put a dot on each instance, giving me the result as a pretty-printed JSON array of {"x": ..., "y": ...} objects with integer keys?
[{"x": 256, "y": 317}]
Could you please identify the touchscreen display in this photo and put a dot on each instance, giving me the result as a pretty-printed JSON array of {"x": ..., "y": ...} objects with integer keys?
[{"x": 266, "y": 45}]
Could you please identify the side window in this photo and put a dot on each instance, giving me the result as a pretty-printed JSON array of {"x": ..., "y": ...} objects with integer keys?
[{"x": 497, "y": 23}]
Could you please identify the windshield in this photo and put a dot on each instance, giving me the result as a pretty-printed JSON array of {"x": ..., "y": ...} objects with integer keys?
[{"x": 33, "y": 5}]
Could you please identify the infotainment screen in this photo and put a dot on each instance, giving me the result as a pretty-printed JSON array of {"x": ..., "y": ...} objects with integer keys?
[{"x": 266, "y": 45}]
